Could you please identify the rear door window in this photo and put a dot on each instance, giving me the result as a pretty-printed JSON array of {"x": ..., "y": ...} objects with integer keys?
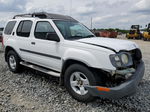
[
  {"x": 24, "y": 28},
  {"x": 9, "y": 27}
]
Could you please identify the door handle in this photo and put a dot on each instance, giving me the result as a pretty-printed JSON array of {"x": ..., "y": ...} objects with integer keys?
[{"x": 33, "y": 43}]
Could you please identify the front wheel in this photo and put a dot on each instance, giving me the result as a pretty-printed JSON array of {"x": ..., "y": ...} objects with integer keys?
[
  {"x": 13, "y": 61},
  {"x": 76, "y": 78}
]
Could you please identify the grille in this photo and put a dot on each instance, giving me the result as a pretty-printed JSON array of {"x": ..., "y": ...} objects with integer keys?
[{"x": 136, "y": 56}]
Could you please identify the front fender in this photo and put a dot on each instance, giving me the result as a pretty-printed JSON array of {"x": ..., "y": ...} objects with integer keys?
[
  {"x": 92, "y": 59},
  {"x": 79, "y": 55}
]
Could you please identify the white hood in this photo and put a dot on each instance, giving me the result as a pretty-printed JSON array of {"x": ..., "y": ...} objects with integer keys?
[{"x": 115, "y": 44}]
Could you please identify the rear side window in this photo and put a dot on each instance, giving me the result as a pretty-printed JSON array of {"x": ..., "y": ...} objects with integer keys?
[
  {"x": 24, "y": 28},
  {"x": 42, "y": 28},
  {"x": 9, "y": 27}
]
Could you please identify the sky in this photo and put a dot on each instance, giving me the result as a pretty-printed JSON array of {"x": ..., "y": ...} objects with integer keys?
[{"x": 104, "y": 13}]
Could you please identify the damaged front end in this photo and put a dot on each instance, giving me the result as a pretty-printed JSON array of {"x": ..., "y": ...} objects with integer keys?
[{"x": 123, "y": 81}]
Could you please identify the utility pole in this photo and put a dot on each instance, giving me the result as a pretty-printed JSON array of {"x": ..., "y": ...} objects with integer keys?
[
  {"x": 91, "y": 23},
  {"x": 70, "y": 7}
]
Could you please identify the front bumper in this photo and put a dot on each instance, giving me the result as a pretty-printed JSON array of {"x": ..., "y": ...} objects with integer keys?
[{"x": 125, "y": 89}]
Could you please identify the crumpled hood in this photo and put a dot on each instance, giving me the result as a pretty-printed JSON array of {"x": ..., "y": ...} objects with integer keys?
[{"x": 114, "y": 44}]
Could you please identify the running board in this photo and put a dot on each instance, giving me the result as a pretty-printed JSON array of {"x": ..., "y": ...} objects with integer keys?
[{"x": 41, "y": 69}]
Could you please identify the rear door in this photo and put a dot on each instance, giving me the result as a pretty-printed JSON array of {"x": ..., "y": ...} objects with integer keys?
[{"x": 23, "y": 39}]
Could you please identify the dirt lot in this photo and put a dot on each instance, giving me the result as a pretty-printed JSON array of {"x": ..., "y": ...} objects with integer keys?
[{"x": 31, "y": 91}]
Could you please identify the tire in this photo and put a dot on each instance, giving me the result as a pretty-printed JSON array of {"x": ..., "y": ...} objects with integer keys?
[
  {"x": 13, "y": 61},
  {"x": 145, "y": 39},
  {"x": 84, "y": 72},
  {"x": 136, "y": 38}
]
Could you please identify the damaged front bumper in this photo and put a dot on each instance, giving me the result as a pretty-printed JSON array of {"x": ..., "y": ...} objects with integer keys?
[{"x": 125, "y": 89}]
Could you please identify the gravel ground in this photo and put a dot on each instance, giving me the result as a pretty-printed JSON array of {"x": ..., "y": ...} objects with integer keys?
[{"x": 32, "y": 91}]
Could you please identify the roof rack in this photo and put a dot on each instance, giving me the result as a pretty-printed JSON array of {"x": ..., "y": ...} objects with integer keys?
[{"x": 45, "y": 15}]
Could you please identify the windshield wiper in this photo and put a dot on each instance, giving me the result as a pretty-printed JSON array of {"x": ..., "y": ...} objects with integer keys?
[
  {"x": 79, "y": 37},
  {"x": 74, "y": 37},
  {"x": 89, "y": 36}
]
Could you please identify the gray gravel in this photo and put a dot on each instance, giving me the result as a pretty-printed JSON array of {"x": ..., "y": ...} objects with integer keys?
[{"x": 32, "y": 91}]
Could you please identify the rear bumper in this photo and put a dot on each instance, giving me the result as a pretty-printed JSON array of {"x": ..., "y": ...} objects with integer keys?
[{"x": 125, "y": 89}]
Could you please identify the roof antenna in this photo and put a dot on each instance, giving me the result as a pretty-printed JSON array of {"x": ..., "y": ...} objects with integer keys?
[{"x": 91, "y": 23}]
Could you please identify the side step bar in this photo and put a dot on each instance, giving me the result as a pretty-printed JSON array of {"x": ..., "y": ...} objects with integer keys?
[{"x": 41, "y": 69}]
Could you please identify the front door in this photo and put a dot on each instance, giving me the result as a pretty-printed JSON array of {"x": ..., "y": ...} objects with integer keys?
[{"x": 46, "y": 53}]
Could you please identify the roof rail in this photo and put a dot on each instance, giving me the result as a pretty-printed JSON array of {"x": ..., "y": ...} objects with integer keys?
[
  {"x": 45, "y": 15},
  {"x": 39, "y": 15}
]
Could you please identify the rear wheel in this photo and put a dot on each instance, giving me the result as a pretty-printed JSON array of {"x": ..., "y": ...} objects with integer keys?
[
  {"x": 76, "y": 78},
  {"x": 13, "y": 61}
]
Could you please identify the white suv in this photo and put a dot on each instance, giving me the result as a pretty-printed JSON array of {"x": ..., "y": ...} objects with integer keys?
[{"x": 88, "y": 66}]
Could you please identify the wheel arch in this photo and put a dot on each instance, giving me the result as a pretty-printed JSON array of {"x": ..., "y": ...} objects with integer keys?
[
  {"x": 7, "y": 49},
  {"x": 66, "y": 64}
]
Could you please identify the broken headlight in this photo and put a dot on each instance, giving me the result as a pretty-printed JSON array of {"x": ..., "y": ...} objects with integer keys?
[{"x": 121, "y": 60}]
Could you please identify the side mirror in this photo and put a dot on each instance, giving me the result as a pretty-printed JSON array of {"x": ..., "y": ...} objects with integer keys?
[
  {"x": 52, "y": 37},
  {"x": 145, "y": 25}
]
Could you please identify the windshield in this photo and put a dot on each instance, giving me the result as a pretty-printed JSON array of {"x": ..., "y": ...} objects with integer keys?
[{"x": 73, "y": 30}]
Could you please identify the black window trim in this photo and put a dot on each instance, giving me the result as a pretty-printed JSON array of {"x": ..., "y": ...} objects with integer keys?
[
  {"x": 36, "y": 26},
  {"x": 21, "y": 28},
  {"x": 12, "y": 29}
]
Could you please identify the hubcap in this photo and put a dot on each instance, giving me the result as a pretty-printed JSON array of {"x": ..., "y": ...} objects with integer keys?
[
  {"x": 77, "y": 81},
  {"x": 12, "y": 62}
]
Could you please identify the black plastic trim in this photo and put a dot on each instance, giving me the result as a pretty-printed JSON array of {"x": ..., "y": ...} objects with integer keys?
[
  {"x": 45, "y": 15},
  {"x": 46, "y": 55},
  {"x": 45, "y": 67}
]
